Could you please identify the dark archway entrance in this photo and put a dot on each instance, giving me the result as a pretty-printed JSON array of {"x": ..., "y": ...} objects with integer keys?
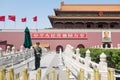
[
  {"x": 106, "y": 44},
  {"x": 80, "y": 46},
  {"x": 58, "y": 48}
]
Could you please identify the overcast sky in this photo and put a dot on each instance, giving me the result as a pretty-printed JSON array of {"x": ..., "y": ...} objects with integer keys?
[{"x": 40, "y": 8}]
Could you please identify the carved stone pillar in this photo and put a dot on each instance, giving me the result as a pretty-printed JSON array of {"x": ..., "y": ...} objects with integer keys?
[
  {"x": 87, "y": 58},
  {"x": 21, "y": 48},
  {"x": 103, "y": 66},
  {"x": 8, "y": 50},
  {"x": 13, "y": 50},
  {"x": 0, "y": 51}
]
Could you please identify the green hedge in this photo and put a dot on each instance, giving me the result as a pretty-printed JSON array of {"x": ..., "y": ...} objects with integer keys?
[{"x": 113, "y": 56}]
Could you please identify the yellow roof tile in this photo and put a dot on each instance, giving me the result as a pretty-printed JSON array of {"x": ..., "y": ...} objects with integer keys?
[{"x": 90, "y": 7}]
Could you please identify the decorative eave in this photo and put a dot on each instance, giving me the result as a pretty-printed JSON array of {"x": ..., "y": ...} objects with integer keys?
[
  {"x": 50, "y": 20},
  {"x": 57, "y": 10},
  {"x": 57, "y": 17}
]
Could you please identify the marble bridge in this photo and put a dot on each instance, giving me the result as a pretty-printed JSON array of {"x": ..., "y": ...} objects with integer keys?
[{"x": 54, "y": 66}]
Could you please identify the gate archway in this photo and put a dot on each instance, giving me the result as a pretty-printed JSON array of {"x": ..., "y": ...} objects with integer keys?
[
  {"x": 106, "y": 44},
  {"x": 80, "y": 46},
  {"x": 58, "y": 48}
]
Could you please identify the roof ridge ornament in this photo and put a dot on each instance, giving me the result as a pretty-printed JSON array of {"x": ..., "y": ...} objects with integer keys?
[{"x": 62, "y": 3}]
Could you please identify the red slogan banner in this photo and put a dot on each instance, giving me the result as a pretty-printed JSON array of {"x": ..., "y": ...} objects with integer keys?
[{"x": 59, "y": 35}]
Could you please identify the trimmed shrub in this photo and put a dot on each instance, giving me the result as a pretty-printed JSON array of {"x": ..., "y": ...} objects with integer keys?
[{"x": 113, "y": 56}]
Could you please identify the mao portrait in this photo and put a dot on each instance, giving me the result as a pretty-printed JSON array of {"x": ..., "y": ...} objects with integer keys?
[{"x": 106, "y": 36}]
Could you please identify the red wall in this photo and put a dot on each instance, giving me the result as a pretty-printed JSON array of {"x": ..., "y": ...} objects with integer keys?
[
  {"x": 15, "y": 38},
  {"x": 94, "y": 38}
]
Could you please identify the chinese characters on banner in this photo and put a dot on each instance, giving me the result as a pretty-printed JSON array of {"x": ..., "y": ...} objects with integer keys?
[{"x": 59, "y": 35}]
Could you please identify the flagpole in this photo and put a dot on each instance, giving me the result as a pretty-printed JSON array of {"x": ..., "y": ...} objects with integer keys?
[
  {"x": 36, "y": 27},
  {"x": 26, "y": 22},
  {"x": 35, "y": 20},
  {"x": 36, "y": 24},
  {"x": 4, "y": 25},
  {"x": 15, "y": 24}
]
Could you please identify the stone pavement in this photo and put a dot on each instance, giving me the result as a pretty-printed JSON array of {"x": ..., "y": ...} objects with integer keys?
[{"x": 47, "y": 62}]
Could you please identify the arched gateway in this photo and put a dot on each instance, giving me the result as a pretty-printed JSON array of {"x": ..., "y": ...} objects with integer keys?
[
  {"x": 80, "y": 46},
  {"x": 58, "y": 48},
  {"x": 106, "y": 44}
]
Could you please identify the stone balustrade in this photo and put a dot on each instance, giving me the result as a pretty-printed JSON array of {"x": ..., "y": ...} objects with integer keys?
[
  {"x": 75, "y": 62},
  {"x": 13, "y": 57},
  {"x": 52, "y": 75},
  {"x": 106, "y": 46}
]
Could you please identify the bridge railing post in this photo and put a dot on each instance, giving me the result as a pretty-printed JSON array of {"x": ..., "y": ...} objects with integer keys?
[
  {"x": 1, "y": 52},
  {"x": 60, "y": 57},
  {"x": 87, "y": 58},
  {"x": 32, "y": 51},
  {"x": 57, "y": 76},
  {"x": 38, "y": 74},
  {"x": 25, "y": 74},
  {"x": 47, "y": 76},
  {"x": 13, "y": 56},
  {"x": 17, "y": 76},
  {"x": 103, "y": 67},
  {"x": 96, "y": 74},
  {"x": 77, "y": 51},
  {"x": 13, "y": 50},
  {"x": 7, "y": 50},
  {"x": 81, "y": 74},
  {"x": 10, "y": 74},
  {"x": 67, "y": 74},
  {"x": 53, "y": 73},
  {"x": 21, "y": 48},
  {"x": 110, "y": 74},
  {"x": 2, "y": 74},
  {"x": 89, "y": 76}
]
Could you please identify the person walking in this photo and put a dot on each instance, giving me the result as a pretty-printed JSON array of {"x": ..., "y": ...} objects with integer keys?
[{"x": 38, "y": 54}]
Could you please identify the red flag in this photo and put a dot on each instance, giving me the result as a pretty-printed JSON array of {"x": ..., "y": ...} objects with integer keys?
[
  {"x": 23, "y": 19},
  {"x": 35, "y": 18},
  {"x": 2, "y": 18},
  {"x": 12, "y": 17}
]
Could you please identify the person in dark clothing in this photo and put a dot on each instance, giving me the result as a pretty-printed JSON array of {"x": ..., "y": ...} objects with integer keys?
[{"x": 38, "y": 54}]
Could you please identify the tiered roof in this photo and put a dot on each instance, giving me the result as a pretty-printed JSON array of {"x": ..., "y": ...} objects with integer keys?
[{"x": 86, "y": 8}]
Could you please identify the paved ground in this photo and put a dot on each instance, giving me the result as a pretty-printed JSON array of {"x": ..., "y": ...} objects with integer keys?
[{"x": 47, "y": 62}]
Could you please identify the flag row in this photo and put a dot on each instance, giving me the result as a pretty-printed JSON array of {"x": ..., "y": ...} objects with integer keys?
[{"x": 13, "y": 18}]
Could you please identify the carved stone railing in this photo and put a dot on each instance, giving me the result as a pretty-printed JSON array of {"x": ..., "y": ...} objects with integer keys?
[
  {"x": 75, "y": 62},
  {"x": 15, "y": 58},
  {"x": 106, "y": 46},
  {"x": 10, "y": 58}
]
